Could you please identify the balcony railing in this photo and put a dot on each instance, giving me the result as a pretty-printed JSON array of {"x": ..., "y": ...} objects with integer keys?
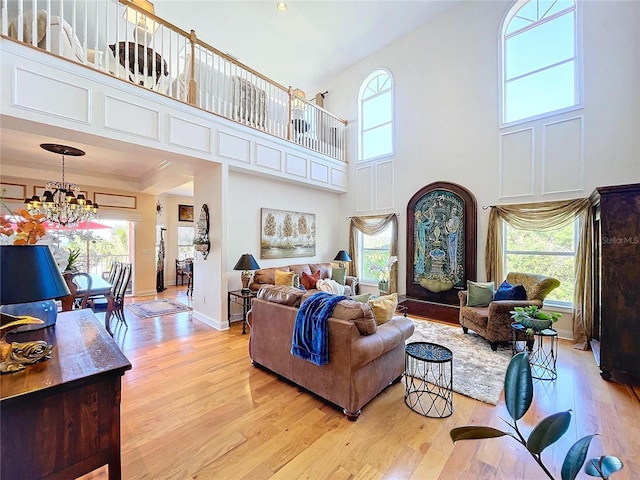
[{"x": 130, "y": 42}]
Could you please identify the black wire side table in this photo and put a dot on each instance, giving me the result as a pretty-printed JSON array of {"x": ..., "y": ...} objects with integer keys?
[
  {"x": 542, "y": 348},
  {"x": 428, "y": 375}
]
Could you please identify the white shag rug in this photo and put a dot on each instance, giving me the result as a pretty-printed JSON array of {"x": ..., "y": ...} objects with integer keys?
[{"x": 478, "y": 372}]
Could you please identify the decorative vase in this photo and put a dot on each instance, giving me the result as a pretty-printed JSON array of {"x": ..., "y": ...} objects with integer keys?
[
  {"x": 383, "y": 285},
  {"x": 536, "y": 324},
  {"x": 45, "y": 310}
]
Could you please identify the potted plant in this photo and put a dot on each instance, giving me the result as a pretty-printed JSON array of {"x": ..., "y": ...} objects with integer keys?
[
  {"x": 518, "y": 396},
  {"x": 533, "y": 318}
]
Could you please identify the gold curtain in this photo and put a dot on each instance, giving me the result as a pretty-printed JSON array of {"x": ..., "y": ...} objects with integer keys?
[
  {"x": 373, "y": 225},
  {"x": 548, "y": 216}
]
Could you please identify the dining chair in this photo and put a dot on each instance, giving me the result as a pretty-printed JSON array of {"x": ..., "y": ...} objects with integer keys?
[
  {"x": 79, "y": 296},
  {"x": 189, "y": 273},
  {"x": 120, "y": 290}
]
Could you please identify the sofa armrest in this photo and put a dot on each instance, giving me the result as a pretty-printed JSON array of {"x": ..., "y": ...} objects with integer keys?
[
  {"x": 462, "y": 295},
  {"x": 388, "y": 336},
  {"x": 353, "y": 283}
]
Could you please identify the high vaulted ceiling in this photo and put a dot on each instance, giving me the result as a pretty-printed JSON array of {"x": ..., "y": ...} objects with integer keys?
[{"x": 305, "y": 45}]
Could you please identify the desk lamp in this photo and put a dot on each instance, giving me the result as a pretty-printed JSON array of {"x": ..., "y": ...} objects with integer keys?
[
  {"x": 30, "y": 280},
  {"x": 246, "y": 263}
]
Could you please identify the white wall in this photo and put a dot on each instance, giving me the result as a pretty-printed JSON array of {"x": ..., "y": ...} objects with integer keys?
[
  {"x": 248, "y": 194},
  {"x": 446, "y": 98},
  {"x": 168, "y": 219}
]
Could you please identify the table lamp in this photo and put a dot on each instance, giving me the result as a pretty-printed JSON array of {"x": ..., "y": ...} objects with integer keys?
[
  {"x": 246, "y": 263},
  {"x": 342, "y": 257},
  {"x": 30, "y": 280}
]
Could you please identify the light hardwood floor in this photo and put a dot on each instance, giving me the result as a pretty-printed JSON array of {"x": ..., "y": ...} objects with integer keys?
[{"x": 193, "y": 407}]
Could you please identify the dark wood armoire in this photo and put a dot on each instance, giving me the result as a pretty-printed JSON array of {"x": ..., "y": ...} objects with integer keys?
[{"x": 616, "y": 282}]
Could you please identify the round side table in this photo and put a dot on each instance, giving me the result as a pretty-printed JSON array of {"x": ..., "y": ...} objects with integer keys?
[
  {"x": 542, "y": 347},
  {"x": 429, "y": 379}
]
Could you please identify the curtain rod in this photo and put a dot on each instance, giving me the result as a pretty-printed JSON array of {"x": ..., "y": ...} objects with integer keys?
[{"x": 365, "y": 216}]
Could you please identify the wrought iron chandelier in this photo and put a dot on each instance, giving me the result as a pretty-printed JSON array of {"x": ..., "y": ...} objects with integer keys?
[{"x": 62, "y": 203}]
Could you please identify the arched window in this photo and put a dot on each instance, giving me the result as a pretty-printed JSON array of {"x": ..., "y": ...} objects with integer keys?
[
  {"x": 540, "y": 59},
  {"x": 375, "y": 115}
]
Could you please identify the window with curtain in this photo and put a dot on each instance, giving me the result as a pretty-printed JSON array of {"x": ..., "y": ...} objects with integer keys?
[
  {"x": 185, "y": 243},
  {"x": 374, "y": 253},
  {"x": 375, "y": 116},
  {"x": 551, "y": 253},
  {"x": 540, "y": 59}
]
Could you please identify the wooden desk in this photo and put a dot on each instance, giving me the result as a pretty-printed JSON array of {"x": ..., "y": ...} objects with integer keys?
[{"x": 61, "y": 417}]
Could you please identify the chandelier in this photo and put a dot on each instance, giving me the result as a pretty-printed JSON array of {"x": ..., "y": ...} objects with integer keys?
[{"x": 62, "y": 203}]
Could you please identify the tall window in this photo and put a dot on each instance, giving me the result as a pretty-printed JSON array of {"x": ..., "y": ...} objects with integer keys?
[
  {"x": 375, "y": 130},
  {"x": 374, "y": 254},
  {"x": 550, "y": 253},
  {"x": 540, "y": 59},
  {"x": 185, "y": 243}
]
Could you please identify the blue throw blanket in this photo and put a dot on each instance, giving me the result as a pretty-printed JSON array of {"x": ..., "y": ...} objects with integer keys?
[{"x": 310, "y": 334}]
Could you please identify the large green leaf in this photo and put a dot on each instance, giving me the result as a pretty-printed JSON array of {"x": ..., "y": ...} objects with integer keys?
[
  {"x": 518, "y": 386},
  {"x": 548, "y": 431},
  {"x": 471, "y": 432},
  {"x": 575, "y": 458},
  {"x": 608, "y": 464}
]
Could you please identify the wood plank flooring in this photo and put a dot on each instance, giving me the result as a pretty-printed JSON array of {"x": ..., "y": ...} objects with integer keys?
[{"x": 193, "y": 407}]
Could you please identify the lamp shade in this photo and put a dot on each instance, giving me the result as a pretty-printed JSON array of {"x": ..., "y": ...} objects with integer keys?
[
  {"x": 246, "y": 262},
  {"x": 343, "y": 256},
  {"x": 29, "y": 274}
]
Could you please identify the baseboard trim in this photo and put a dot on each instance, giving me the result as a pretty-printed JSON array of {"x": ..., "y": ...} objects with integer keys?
[{"x": 212, "y": 322}]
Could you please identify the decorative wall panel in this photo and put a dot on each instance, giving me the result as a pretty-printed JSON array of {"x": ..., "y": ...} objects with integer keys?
[
  {"x": 184, "y": 133},
  {"x": 563, "y": 156},
  {"x": 339, "y": 178},
  {"x": 319, "y": 172},
  {"x": 33, "y": 92},
  {"x": 384, "y": 186},
  {"x": 268, "y": 157},
  {"x": 364, "y": 188},
  {"x": 130, "y": 118},
  {"x": 295, "y": 165},
  {"x": 234, "y": 147},
  {"x": 516, "y": 163}
]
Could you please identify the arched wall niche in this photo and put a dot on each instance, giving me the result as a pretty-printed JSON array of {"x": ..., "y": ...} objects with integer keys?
[{"x": 441, "y": 249}]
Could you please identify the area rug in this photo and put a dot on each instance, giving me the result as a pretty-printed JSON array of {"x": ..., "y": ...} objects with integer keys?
[
  {"x": 157, "y": 308},
  {"x": 478, "y": 372}
]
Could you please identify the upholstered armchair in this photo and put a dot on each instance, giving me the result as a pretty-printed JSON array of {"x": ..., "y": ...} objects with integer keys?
[{"x": 493, "y": 322}]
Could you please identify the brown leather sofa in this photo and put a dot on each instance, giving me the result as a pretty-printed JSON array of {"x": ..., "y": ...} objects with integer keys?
[
  {"x": 267, "y": 276},
  {"x": 493, "y": 322},
  {"x": 364, "y": 358}
]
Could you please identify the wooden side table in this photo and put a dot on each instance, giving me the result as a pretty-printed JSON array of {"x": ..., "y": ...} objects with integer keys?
[
  {"x": 240, "y": 298},
  {"x": 61, "y": 417}
]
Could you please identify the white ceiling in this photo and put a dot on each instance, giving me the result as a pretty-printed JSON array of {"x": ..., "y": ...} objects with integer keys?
[{"x": 305, "y": 45}]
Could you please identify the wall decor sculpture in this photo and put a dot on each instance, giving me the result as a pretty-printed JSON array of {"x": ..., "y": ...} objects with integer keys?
[
  {"x": 201, "y": 239},
  {"x": 287, "y": 234},
  {"x": 441, "y": 242}
]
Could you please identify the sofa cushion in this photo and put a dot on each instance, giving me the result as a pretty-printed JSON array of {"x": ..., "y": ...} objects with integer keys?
[
  {"x": 330, "y": 286},
  {"x": 384, "y": 307},
  {"x": 506, "y": 291},
  {"x": 284, "y": 278},
  {"x": 480, "y": 293},
  {"x": 323, "y": 268},
  {"x": 339, "y": 275},
  {"x": 304, "y": 267},
  {"x": 359, "y": 313},
  {"x": 309, "y": 281},
  {"x": 267, "y": 275},
  {"x": 281, "y": 294},
  {"x": 363, "y": 297}
]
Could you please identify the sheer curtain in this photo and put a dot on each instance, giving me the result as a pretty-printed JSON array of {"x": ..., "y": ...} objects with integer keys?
[
  {"x": 548, "y": 216},
  {"x": 373, "y": 225}
]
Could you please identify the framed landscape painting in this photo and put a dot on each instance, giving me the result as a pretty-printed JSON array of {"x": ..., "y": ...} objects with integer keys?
[{"x": 286, "y": 234}]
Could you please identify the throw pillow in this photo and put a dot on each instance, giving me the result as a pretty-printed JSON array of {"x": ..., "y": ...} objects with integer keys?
[
  {"x": 506, "y": 291},
  {"x": 384, "y": 307},
  {"x": 284, "y": 278},
  {"x": 339, "y": 275},
  {"x": 330, "y": 286},
  {"x": 479, "y": 294},
  {"x": 309, "y": 281},
  {"x": 362, "y": 298}
]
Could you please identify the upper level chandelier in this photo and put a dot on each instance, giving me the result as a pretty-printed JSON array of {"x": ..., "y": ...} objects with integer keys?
[{"x": 62, "y": 203}]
